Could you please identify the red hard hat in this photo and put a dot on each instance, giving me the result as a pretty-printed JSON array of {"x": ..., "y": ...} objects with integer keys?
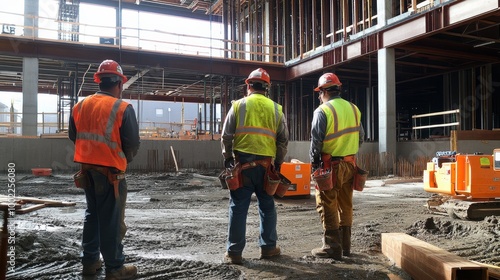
[
  {"x": 109, "y": 68},
  {"x": 259, "y": 75},
  {"x": 328, "y": 80}
]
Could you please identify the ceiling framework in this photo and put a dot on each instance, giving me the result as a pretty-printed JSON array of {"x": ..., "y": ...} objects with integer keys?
[
  {"x": 445, "y": 46},
  {"x": 471, "y": 43}
]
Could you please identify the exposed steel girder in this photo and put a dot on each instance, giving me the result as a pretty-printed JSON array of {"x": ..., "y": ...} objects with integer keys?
[
  {"x": 402, "y": 35},
  {"x": 86, "y": 53}
]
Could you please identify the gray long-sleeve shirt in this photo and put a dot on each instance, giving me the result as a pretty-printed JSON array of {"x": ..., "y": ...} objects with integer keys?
[{"x": 229, "y": 129}]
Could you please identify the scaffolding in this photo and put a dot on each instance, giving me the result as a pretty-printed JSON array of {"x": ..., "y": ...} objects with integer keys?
[{"x": 68, "y": 20}]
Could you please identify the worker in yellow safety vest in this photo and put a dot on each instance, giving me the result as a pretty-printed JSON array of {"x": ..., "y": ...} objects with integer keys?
[
  {"x": 336, "y": 135},
  {"x": 106, "y": 135},
  {"x": 255, "y": 138}
]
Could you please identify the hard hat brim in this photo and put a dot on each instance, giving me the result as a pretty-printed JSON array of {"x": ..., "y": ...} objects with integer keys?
[{"x": 97, "y": 76}]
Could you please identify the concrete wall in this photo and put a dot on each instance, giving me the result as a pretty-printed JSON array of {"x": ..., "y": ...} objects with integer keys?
[{"x": 156, "y": 155}]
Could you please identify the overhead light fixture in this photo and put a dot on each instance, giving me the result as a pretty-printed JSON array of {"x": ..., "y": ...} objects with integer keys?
[
  {"x": 137, "y": 2},
  {"x": 484, "y": 44}
]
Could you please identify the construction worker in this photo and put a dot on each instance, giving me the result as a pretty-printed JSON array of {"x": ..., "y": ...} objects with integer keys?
[
  {"x": 255, "y": 135},
  {"x": 336, "y": 134},
  {"x": 106, "y": 135}
]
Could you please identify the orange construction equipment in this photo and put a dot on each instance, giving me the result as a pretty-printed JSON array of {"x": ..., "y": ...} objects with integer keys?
[
  {"x": 299, "y": 174},
  {"x": 467, "y": 185}
]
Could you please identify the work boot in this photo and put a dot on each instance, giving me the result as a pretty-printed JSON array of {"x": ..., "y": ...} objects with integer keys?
[
  {"x": 331, "y": 246},
  {"x": 267, "y": 253},
  {"x": 345, "y": 232},
  {"x": 91, "y": 269},
  {"x": 124, "y": 273},
  {"x": 233, "y": 259}
]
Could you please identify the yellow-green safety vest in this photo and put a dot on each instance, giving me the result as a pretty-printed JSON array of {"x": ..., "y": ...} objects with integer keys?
[
  {"x": 257, "y": 121},
  {"x": 342, "y": 135}
]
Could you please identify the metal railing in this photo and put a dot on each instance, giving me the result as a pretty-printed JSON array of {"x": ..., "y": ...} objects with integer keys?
[
  {"x": 449, "y": 119},
  {"x": 11, "y": 123},
  {"x": 139, "y": 39}
]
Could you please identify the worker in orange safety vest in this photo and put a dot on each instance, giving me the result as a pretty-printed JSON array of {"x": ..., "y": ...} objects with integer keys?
[{"x": 105, "y": 131}]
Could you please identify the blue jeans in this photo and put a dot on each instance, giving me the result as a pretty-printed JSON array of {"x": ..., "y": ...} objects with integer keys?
[
  {"x": 104, "y": 223},
  {"x": 253, "y": 181}
]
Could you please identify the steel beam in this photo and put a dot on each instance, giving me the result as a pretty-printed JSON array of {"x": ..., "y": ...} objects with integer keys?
[{"x": 88, "y": 53}]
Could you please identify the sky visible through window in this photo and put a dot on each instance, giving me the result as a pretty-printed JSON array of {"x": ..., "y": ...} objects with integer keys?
[{"x": 145, "y": 30}]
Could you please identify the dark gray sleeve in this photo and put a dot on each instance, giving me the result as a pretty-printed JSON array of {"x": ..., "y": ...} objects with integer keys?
[
  {"x": 361, "y": 134},
  {"x": 228, "y": 130},
  {"x": 281, "y": 141},
  {"x": 129, "y": 133},
  {"x": 72, "y": 129},
  {"x": 318, "y": 133}
]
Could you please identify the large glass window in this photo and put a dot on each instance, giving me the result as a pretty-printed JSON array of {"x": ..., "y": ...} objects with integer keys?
[
  {"x": 47, "y": 19},
  {"x": 166, "y": 33},
  {"x": 97, "y": 24}
]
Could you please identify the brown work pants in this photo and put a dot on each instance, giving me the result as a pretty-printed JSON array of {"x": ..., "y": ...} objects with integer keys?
[{"x": 335, "y": 206}]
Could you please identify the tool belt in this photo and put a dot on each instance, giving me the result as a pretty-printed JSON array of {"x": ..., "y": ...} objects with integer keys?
[
  {"x": 326, "y": 176},
  {"x": 114, "y": 176},
  {"x": 232, "y": 179},
  {"x": 360, "y": 175}
]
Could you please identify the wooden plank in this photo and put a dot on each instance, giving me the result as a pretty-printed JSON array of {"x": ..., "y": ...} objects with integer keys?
[
  {"x": 30, "y": 208},
  {"x": 47, "y": 202},
  {"x": 424, "y": 261}
]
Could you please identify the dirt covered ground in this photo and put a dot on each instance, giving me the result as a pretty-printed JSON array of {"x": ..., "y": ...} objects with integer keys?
[{"x": 177, "y": 228}]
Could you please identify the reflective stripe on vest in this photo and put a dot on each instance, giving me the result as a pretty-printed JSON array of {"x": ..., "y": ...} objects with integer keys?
[
  {"x": 342, "y": 136},
  {"x": 256, "y": 133},
  {"x": 105, "y": 146}
]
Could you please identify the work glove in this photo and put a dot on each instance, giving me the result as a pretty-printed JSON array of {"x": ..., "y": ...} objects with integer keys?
[{"x": 229, "y": 162}]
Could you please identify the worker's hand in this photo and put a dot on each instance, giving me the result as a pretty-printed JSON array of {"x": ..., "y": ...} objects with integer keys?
[
  {"x": 316, "y": 163},
  {"x": 277, "y": 166},
  {"x": 229, "y": 162}
]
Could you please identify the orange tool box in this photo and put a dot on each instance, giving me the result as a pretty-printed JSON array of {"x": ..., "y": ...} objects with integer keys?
[{"x": 300, "y": 176}]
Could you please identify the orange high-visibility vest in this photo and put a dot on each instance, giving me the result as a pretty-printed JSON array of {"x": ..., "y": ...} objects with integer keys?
[{"x": 98, "y": 119}]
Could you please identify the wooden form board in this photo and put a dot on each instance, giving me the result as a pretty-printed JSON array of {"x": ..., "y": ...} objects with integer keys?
[
  {"x": 423, "y": 261},
  {"x": 21, "y": 203}
]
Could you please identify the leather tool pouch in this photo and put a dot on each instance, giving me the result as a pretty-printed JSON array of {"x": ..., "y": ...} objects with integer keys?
[
  {"x": 358, "y": 184},
  {"x": 323, "y": 179},
  {"x": 283, "y": 186},
  {"x": 232, "y": 177},
  {"x": 272, "y": 180},
  {"x": 81, "y": 179},
  {"x": 325, "y": 176}
]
